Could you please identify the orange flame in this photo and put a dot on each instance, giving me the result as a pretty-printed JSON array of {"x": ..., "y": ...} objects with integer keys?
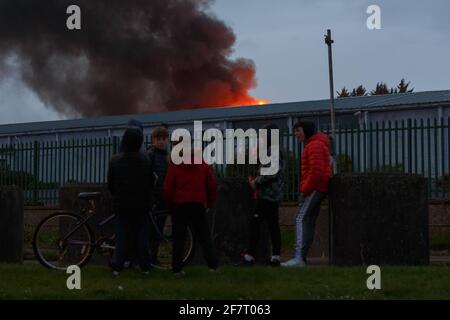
[
  {"x": 250, "y": 102},
  {"x": 262, "y": 102}
]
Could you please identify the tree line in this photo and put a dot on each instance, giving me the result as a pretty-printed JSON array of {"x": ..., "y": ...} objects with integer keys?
[{"x": 381, "y": 88}]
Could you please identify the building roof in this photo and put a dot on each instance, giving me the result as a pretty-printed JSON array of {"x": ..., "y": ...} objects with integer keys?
[{"x": 404, "y": 100}]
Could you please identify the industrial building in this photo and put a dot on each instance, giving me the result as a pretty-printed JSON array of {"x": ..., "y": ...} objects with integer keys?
[
  {"x": 352, "y": 110},
  {"x": 406, "y": 133}
]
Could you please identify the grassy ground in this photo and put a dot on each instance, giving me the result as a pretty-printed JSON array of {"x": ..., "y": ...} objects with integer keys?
[{"x": 36, "y": 282}]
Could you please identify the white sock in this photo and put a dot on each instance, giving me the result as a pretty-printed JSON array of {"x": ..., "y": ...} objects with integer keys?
[
  {"x": 275, "y": 258},
  {"x": 248, "y": 258}
]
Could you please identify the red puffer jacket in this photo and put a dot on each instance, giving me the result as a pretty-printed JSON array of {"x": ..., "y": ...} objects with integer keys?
[
  {"x": 190, "y": 183},
  {"x": 316, "y": 164}
]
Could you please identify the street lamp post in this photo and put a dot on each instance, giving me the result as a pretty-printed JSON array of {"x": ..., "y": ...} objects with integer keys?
[{"x": 329, "y": 42}]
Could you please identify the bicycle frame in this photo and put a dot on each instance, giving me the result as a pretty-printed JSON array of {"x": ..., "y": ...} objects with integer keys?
[
  {"x": 91, "y": 213},
  {"x": 152, "y": 215}
]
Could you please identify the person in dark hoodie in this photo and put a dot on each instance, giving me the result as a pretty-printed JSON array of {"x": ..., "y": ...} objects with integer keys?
[
  {"x": 130, "y": 181},
  {"x": 133, "y": 124},
  {"x": 315, "y": 175},
  {"x": 188, "y": 190},
  {"x": 269, "y": 194},
  {"x": 159, "y": 157}
]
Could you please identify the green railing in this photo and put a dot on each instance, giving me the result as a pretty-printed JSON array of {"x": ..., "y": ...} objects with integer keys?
[{"x": 407, "y": 146}]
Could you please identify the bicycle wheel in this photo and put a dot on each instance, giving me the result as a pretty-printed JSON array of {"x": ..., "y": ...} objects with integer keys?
[
  {"x": 163, "y": 245},
  {"x": 61, "y": 240}
]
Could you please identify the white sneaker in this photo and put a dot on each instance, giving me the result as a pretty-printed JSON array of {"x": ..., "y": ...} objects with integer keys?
[
  {"x": 294, "y": 263},
  {"x": 115, "y": 273}
]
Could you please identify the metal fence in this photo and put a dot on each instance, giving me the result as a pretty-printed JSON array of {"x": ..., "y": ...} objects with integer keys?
[{"x": 407, "y": 146}]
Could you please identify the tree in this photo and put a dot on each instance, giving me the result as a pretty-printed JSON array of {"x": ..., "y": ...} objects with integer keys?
[
  {"x": 381, "y": 88},
  {"x": 343, "y": 93},
  {"x": 403, "y": 87},
  {"x": 360, "y": 91}
]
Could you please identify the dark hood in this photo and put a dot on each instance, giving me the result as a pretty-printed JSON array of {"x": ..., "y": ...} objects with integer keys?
[{"x": 132, "y": 140}]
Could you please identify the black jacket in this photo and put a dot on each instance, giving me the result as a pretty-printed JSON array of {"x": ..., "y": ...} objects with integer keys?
[{"x": 130, "y": 181}]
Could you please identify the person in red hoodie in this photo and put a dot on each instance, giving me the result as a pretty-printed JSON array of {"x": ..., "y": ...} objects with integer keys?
[
  {"x": 315, "y": 176},
  {"x": 188, "y": 190}
]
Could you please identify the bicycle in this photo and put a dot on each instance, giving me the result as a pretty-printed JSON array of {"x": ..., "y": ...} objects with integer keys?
[{"x": 66, "y": 238}]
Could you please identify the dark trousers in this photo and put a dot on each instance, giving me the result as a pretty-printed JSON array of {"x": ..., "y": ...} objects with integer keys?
[
  {"x": 305, "y": 221},
  {"x": 265, "y": 210},
  {"x": 132, "y": 231},
  {"x": 194, "y": 215}
]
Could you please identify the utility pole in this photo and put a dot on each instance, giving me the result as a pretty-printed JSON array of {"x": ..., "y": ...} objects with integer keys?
[{"x": 329, "y": 42}]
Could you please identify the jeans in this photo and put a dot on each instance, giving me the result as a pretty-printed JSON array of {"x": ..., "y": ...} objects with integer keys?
[{"x": 132, "y": 231}]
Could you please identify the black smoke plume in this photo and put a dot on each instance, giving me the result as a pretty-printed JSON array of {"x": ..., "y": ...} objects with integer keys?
[{"x": 130, "y": 56}]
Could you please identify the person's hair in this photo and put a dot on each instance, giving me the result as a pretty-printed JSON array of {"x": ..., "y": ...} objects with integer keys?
[
  {"x": 309, "y": 128},
  {"x": 160, "y": 132},
  {"x": 296, "y": 125}
]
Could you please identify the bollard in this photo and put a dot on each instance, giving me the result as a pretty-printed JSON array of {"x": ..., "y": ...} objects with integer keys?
[{"x": 11, "y": 224}]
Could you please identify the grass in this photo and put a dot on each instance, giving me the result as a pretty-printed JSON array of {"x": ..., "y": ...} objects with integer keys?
[{"x": 36, "y": 282}]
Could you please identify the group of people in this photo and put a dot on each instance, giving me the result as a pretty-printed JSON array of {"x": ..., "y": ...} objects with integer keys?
[{"x": 140, "y": 179}]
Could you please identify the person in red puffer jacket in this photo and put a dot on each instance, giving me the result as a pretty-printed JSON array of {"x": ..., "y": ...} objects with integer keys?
[
  {"x": 315, "y": 176},
  {"x": 188, "y": 190}
]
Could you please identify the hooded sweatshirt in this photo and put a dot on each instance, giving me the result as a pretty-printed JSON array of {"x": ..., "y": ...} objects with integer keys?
[
  {"x": 130, "y": 176},
  {"x": 315, "y": 164},
  {"x": 270, "y": 187},
  {"x": 190, "y": 183}
]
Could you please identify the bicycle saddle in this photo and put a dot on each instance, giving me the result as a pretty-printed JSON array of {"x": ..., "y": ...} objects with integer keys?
[{"x": 89, "y": 195}]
